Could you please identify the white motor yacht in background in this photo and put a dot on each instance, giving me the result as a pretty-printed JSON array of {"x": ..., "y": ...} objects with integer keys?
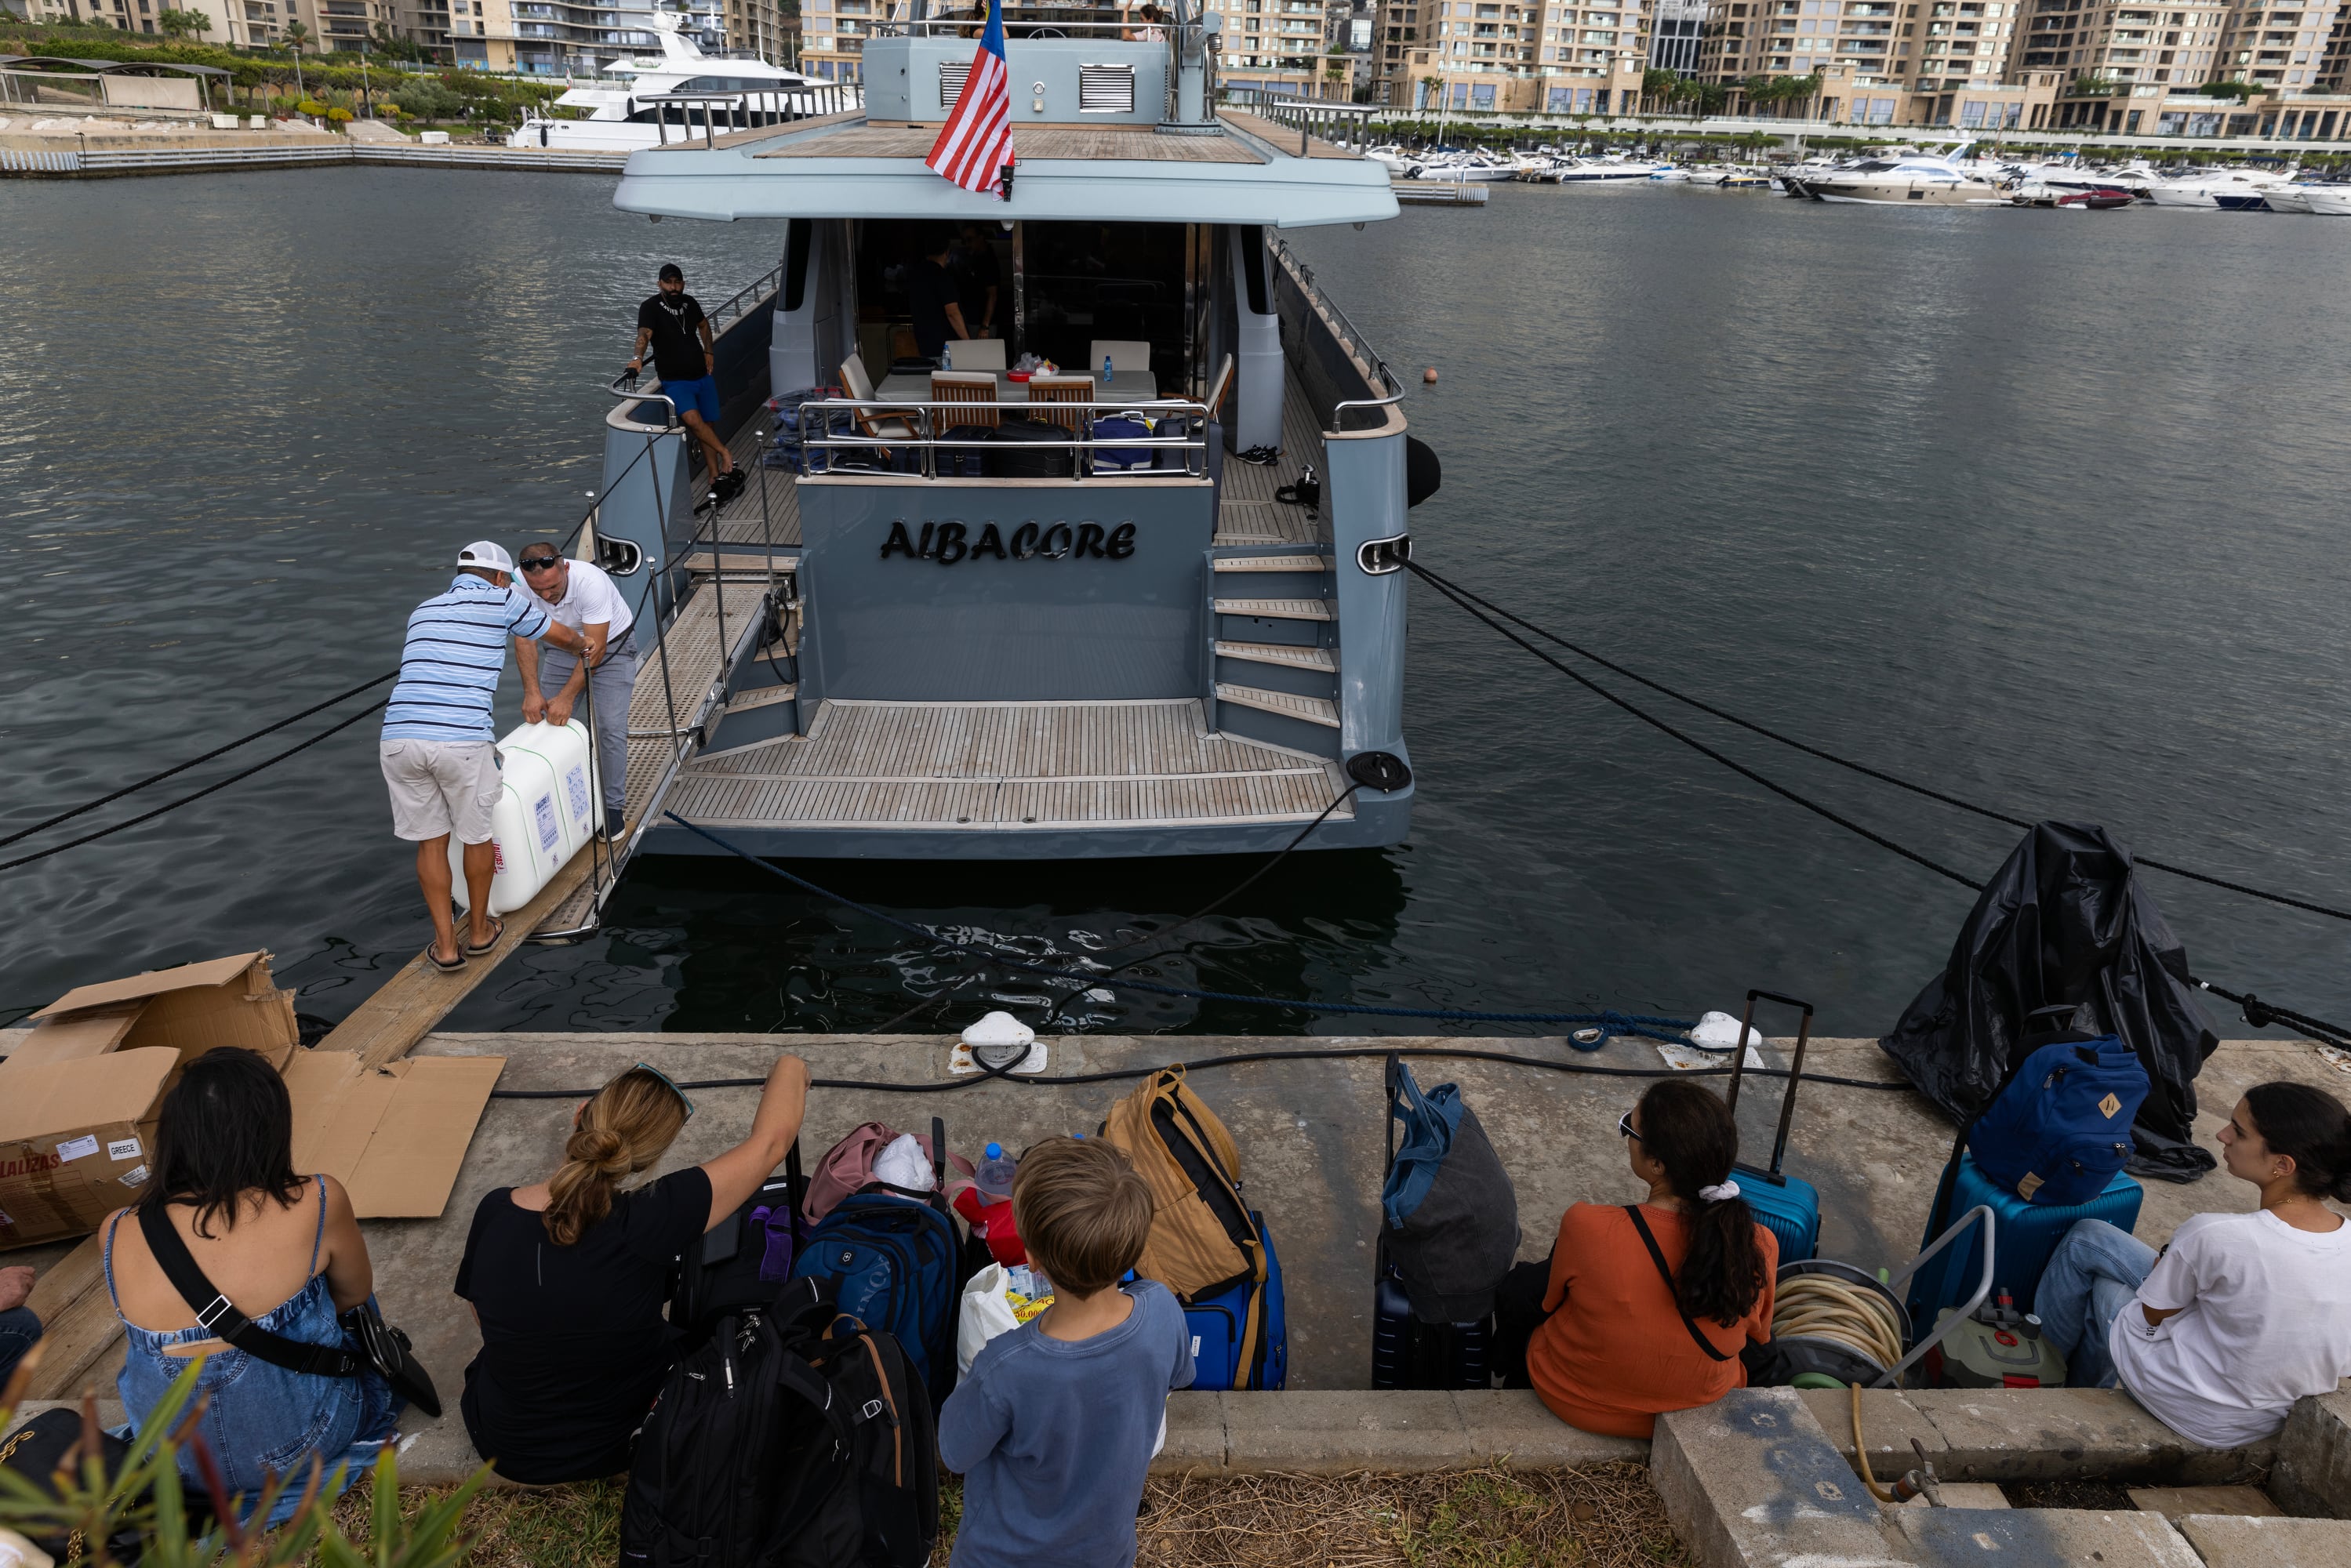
[
  {"x": 1454, "y": 166},
  {"x": 2230, "y": 190},
  {"x": 2321, "y": 201},
  {"x": 619, "y": 119},
  {"x": 1901, "y": 181}
]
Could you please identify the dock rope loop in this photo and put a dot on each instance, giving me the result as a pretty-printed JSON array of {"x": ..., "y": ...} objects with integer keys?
[
  {"x": 2257, "y": 1013},
  {"x": 1621, "y": 1023}
]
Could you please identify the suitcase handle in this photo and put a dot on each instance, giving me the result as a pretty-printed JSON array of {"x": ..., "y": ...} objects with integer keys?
[{"x": 1795, "y": 1064}]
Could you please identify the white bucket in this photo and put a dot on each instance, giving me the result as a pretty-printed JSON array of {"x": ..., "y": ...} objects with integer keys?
[{"x": 535, "y": 826}]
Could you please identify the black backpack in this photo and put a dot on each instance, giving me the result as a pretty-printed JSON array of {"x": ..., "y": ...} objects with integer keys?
[{"x": 793, "y": 1438}]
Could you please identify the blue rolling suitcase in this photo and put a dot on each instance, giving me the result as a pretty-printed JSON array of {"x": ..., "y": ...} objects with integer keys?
[
  {"x": 1216, "y": 1319},
  {"x": 1786, "y": 1205},
  {"x": 2023, "y": 1236}
]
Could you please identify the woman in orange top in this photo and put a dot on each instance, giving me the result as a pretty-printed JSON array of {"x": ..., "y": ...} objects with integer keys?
[{"x": 1615, "y": 1344}]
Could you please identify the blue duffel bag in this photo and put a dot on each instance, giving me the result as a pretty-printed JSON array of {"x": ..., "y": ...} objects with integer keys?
[
  {"x": 1129, "y": 426},
  {"x": 2062, "y": 1129}
]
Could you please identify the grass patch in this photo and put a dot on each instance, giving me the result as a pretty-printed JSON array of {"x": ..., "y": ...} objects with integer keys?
[{"x": 1602, "y": 1516}]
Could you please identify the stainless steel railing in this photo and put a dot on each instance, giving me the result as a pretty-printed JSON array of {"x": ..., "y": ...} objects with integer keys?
[
  {"x": 1344, "y": 125},
  {"x": 930, "y": 421},
  {"x": 751, "y": 109},
  {"x": 1349, "y": 337}
]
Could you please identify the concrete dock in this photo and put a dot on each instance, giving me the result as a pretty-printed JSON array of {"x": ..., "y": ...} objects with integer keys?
[{"x": 1310, "y": 1137}]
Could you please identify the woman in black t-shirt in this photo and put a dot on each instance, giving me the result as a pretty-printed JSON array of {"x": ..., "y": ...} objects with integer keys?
[{"x": 567, "y": 1277}]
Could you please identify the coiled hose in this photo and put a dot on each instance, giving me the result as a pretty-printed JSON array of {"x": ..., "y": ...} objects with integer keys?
[{"x": 1821, "y": 1306}]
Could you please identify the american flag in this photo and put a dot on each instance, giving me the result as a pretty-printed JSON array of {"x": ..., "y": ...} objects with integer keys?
[{"x": 975, "y": 146}]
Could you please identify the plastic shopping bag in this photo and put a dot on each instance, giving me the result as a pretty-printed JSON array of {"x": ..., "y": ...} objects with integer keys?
[{"x": 997, "y": 1300}]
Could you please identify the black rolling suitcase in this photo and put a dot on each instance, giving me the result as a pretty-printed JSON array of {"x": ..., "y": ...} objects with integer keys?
[
  {"x": 1021, "y": 451},
  {"x": 1408, "y": 1351},
  {"x": 968, "y": 460}
]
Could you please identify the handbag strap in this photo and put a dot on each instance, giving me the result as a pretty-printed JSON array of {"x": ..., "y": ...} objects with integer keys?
[
  {"x": 1673, "y": 1292},
  {"x": 215, "y": 1314}
]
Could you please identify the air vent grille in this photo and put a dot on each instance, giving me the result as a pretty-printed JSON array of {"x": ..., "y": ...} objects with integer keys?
[
  {"x": 951, "y": 79},
  {"x": 1106, "y": 90}
]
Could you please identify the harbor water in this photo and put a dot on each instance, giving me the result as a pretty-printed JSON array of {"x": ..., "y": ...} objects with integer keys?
[{"x": 2045, "y": 509}]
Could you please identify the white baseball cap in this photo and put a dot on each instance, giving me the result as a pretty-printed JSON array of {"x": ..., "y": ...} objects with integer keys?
[{"x": 488, "y": 556}]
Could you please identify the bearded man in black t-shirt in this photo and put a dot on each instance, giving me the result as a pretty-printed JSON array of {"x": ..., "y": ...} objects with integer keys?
[{"x": 686, "y": 356}]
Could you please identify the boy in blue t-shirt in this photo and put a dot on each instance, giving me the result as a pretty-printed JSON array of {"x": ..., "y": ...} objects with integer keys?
[{"x": 1055, "y": 1426}]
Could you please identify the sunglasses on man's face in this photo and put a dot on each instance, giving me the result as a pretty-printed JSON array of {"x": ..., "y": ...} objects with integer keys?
[{"x": 538, "y": 562}]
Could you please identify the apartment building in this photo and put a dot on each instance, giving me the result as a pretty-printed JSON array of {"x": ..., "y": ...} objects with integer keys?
[
  {"x": 2133, "y": 46},
  {"x": 1471, "y": 43},
  {"x": 762, "y": 27},
  {"x": 1276, "y": 45},
  {"x": 1922, "y": 46},
  {"x": 833, "y": 34},
  {"x": 1677, "y": 30}
]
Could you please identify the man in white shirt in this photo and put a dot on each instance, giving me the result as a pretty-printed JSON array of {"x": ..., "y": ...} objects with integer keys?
[
  {"x": 582, "y": 596},
  {"x": 2244, "y": 1313}
]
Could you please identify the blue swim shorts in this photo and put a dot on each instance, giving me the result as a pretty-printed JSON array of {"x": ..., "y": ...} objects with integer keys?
[{"x": 699, "y": 396}]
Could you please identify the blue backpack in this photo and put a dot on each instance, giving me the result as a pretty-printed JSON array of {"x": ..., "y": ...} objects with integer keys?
[
  {"x": 893, "y": 1260},
  {"x": 2062, "y": 1129}
]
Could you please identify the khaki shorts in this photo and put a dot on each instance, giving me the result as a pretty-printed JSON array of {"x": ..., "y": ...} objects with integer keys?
[{"x": 442, "y": 787}]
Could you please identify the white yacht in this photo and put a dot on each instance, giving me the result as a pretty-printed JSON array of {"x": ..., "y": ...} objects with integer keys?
[
  {"x": 2324, "y": 200},
  {"x": 2230, "y": 190},
  {"x": 703, "y": 92},
  {"x": 1899, "y": 181},
  {"x": 1455, "y": 167}
]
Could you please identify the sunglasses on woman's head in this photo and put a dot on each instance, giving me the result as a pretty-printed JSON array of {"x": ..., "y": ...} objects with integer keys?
[
  {"x": 670, "y": 1083},
  {"x": 1625, "y": 1125}
]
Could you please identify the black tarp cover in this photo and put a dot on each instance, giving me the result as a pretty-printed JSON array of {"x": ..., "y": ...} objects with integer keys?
[{"x": 2065, "y": 921}]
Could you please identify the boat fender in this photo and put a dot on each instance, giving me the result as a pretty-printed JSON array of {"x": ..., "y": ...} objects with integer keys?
[{"x": 1422, "y": 472}]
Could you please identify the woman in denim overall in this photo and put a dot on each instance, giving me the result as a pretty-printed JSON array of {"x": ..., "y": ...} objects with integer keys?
[{"x": 286, "y": 1251}]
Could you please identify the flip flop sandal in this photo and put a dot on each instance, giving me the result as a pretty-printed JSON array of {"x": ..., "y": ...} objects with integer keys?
[
  {"x": 444, "y": 966},
  {"x": 497, "y": 929}
]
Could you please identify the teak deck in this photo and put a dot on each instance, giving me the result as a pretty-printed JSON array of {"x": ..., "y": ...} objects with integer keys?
[{"x": 1006, "y": 766}]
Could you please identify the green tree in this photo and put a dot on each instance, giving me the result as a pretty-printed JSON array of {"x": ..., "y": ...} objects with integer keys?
[
  {"x": 427, "y": 98},
  {"x": 2087, "y": 86},
  {"x": 2240, "y": 90},
  {"x": 183, "y": 24},
  {"x": 296, "y": 35}
]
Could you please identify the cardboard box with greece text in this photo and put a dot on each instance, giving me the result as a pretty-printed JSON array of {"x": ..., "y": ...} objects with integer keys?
[{"x": 79, "y": 1096}]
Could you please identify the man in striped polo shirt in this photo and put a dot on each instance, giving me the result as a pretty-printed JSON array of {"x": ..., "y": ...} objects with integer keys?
[{"x": 439, "y": 751}]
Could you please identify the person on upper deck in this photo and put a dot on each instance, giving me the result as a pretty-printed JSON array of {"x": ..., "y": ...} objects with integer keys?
[
  {"x": 582, "y": 596},
  {"x": 1153, "y": 29},
  {"x": 1645, "y": 1308},
  {"x": 439, "y": 753},
  {"x": 931, "y": 296},
  {"x": 285, "y": 1249},
  {"x": 686, "y": 356},
  {"x": 567, "y": 1276},
  {"x": 2242, "y": 1314}
]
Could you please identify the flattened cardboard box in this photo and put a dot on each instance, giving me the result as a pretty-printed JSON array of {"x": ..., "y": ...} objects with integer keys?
[
  {"x": 396, "y": 1135},
  {"x": 74, "y": 1139}
]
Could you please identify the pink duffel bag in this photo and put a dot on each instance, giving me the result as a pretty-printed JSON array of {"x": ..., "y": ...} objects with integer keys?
[{"x": 848, "y": 1165}]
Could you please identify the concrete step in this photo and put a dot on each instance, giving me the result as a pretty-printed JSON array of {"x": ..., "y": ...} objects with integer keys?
[{"x": 1313, "y": 710}]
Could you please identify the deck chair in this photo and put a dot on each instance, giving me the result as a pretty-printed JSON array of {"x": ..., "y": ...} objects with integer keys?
[
  {"x": 1060, "y": 399},
  {"x": 961, "y": 398},
  {"x": 978, "y": 353},
  {"x": 1123, "y": 355},
  {"x": 859, "y": 386},
  {"x": 1220, "y": 389}
]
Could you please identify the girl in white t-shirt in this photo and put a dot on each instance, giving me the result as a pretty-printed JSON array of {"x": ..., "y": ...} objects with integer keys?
[{"x": 2244, "y": 1313}]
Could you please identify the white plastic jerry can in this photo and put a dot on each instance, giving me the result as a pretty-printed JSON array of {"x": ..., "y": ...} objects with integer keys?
[{"x": 545, "y": 812}]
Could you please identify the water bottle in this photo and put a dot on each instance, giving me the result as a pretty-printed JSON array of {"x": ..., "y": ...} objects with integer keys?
[
  {"x": 994, "y": 1178},
  {"x": 946, "y": 356},
  {"x": 1107, "y": 373}
]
